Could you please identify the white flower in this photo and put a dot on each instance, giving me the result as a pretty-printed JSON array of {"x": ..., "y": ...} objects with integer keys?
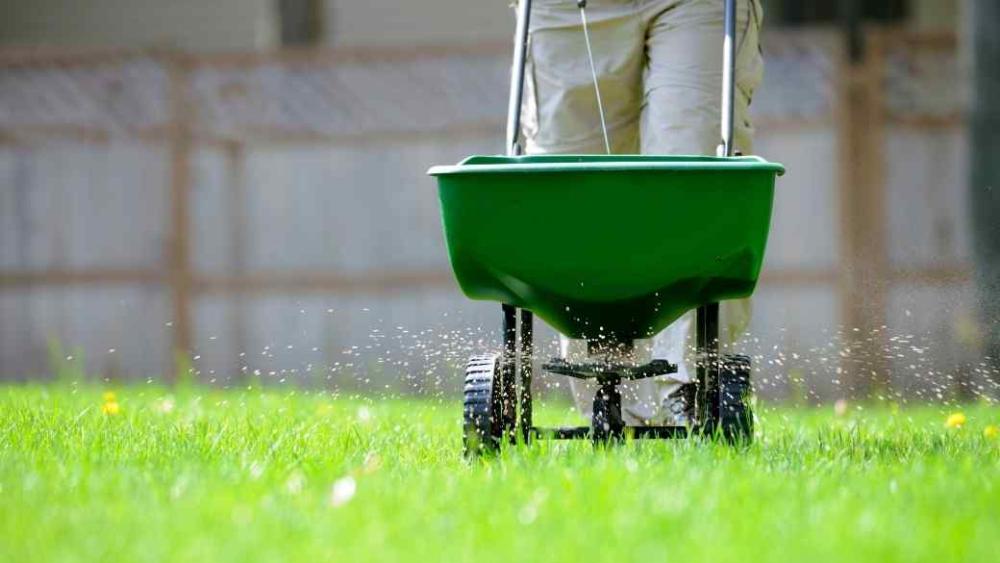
[
  {"x": 343, "y": 491},
  {"x": 165, "y": 405},
  {"x": 364, "y": 414},
  {"x": 296, "y": 481},
  {"x": 529, "y": 512},
  {"x": 256, "y": 470}
]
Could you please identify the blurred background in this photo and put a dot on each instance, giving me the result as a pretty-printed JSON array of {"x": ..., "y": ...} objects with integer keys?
[{"x": 235, "y": 190}]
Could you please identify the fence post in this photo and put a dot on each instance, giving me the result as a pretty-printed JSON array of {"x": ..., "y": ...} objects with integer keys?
[
  {"x": 236, "y": 267},
  {"x": 179, "y": 276},
  {"x": 864, "y": 244}
]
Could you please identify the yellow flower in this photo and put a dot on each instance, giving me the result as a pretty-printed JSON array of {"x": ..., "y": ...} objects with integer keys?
[
  {"x": 955, "y": 420},
  {"x": 991, "y": 431},
  {"x": 109, "y": 397},
  {"x": 110, "y": 408}
]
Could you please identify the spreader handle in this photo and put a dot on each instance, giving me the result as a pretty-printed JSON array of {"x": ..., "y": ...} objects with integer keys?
[
  {"x": 728, "y": 77},
  {"x": 517, "y": 78}
]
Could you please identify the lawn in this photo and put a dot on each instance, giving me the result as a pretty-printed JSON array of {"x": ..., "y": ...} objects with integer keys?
[{"x": 207, "y": 475}]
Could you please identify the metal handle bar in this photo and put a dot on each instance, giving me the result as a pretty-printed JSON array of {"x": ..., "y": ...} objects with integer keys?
[
  {"x": 517, "y": 78},
  {"x": 728, "y": 76}
]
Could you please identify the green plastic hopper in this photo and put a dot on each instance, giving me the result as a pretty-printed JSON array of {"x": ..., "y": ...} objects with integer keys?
[{"x": 607, "y": 246}]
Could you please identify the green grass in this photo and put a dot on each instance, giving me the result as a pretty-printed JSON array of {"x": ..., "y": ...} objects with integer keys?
[{"x": 242, "y": 475}]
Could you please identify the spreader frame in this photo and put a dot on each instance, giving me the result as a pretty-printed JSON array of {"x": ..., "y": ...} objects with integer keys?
[{"x": 518, "y": 361}]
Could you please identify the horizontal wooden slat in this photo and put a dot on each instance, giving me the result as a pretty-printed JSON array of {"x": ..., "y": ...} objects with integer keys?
[
  {"x": 381, "y": 281},
  {"x": 925, "y": 122},
  {"x": 324, "y": 282},
  {"x": 258, "y": 138},
  {"x": 943, "y": 275},
  {"x": 79, "y": 277}
]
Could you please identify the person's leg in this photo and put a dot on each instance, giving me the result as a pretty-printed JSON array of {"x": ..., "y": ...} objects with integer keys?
[
  {"x": 682, "y": 84},
  {"x": 560, "y": 113},
  {"x": 681, "y": 115}
]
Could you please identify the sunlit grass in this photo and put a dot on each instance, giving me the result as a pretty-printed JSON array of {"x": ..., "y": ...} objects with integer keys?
[{"x": 200, "y": 475}]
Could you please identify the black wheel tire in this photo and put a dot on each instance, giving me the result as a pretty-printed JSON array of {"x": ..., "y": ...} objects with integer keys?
[
  {"x": 483, "y": 405},
  {"x": 607, "y": 424},
  {"x": 735, "y": 413}
]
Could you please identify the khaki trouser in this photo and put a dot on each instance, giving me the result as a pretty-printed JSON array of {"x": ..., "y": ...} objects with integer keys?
[{"x": 659, "y": 66}]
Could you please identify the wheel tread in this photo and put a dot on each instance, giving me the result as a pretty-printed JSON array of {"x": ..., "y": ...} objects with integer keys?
[
  {"x": 735, "y": 413},
  {"x": 480, "y": 413}
]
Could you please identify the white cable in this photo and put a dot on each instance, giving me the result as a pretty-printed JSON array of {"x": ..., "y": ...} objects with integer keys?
[{"x": 593, "y": 73}]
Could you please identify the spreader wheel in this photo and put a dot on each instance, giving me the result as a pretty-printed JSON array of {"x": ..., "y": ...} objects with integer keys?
[
  {"x": 735, "y": 415},
  {"x": 483, "y": 406}
]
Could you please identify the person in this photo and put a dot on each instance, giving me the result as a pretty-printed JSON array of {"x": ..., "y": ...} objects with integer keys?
[{"x": 659, "y": 71}]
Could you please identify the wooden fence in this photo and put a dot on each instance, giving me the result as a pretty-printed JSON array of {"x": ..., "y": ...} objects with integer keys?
[{"x": 220, "y": 124}]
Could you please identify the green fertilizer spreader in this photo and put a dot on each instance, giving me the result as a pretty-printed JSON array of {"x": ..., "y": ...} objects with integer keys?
[{"x": 610, "y": 249}]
